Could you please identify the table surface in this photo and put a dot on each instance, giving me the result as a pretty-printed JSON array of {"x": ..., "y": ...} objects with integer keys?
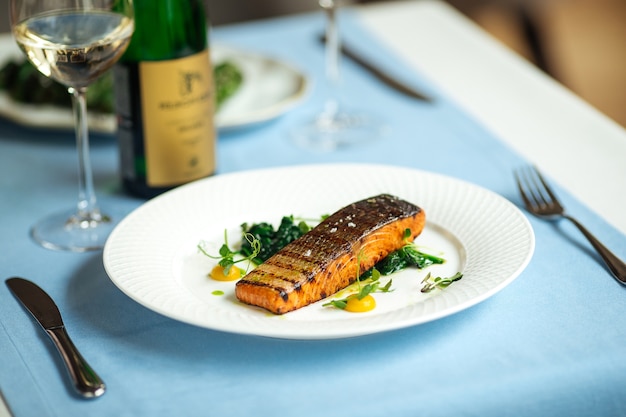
[
  {"x": 551, "y": 343},
  {"x": 542, "y": 120}
]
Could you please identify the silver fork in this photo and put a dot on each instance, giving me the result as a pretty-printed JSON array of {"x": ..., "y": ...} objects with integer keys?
[{"x": 541, "y": 201}]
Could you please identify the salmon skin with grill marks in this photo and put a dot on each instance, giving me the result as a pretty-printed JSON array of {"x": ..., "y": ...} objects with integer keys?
[{"x": 326, "y": 259}]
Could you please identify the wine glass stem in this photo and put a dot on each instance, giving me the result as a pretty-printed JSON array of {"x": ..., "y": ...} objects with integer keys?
[
  {"x": 87, "y": 206},
  {"x": 332, "y": 42},
  {"x": 332, "y": 56}
]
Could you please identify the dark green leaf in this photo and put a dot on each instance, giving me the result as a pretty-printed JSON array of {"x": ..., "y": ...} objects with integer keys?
[{"x": 225, "y": 250}]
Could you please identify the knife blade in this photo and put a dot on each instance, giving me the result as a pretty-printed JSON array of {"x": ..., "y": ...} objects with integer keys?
[
  {"x": 380, "y": 74},
  {"x": 46, "y": 313}
]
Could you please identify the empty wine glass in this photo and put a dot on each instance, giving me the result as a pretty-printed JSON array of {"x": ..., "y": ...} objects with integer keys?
[
  {"x": 336, "y": 126},
  {"x": 74, "y": 42}
]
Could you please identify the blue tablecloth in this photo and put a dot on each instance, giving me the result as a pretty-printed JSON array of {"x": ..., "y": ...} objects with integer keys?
[{"x": 552, "y": 343}]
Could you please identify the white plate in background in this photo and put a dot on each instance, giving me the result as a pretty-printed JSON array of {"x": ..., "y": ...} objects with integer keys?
[{"x": 270, "y": 88}]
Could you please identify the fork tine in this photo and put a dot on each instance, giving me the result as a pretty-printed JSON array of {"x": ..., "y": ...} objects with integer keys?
[
  {"x": 537, "y": 195},
  {"x": 520, "y": 186},
  {"x": 546, "y": 187},
  {"x": 534, "y": 185},
  {"x": 530, "y": 189}
]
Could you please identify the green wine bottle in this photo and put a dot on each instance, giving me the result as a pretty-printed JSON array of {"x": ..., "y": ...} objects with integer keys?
[{"x": 164, "y": 98}]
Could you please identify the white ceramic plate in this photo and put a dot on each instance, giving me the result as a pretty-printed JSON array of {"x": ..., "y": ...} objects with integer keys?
[
  {"x": 152, "y": 255},
  {"x": 270, "y": 88}
]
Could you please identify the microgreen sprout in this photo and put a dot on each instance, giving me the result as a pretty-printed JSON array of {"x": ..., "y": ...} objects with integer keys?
[
  {"x": 431, "y": 283},
  {"x": 227, "y": 256},
  {"x": 371, "y": 286}
]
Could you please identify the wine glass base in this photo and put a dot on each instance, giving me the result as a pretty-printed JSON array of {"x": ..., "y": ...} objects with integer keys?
[
  {"x": 67, "y": 231},
  {"x": 338, "y": 130}
]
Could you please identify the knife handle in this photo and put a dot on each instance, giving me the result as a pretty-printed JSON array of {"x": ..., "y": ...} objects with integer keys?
[{"x": 86, "y": 381}]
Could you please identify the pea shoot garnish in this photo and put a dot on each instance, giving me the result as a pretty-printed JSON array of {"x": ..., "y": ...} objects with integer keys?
[
  {"x": 431, "y": 283},
  {"x": 356, "y": 301},
  {"x": 227, "y": 256}
]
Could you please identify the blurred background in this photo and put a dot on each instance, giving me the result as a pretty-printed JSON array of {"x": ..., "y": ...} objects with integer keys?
[{"x": 581, "y": 43}]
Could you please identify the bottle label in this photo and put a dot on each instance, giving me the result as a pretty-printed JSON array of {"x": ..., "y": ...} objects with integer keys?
[{"x": 177, "y": 110}]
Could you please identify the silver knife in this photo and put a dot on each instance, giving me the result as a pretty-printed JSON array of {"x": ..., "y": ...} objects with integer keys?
[
  {"x": 380, "y": 74},
  {"x": 45, "y": 311}
]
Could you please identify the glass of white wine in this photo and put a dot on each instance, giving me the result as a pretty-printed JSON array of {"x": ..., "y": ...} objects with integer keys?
[
  {"x": 74, "y": 42},
  {"x": 336, "y": 126}
]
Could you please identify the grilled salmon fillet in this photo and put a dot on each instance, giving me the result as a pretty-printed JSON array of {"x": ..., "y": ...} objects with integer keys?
[{"x": 326, "y": 259}]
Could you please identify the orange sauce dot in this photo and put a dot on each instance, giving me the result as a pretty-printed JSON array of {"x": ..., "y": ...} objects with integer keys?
[
  {"x": 217, "y": 273},
  {"x": 367, "y": 303}
]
